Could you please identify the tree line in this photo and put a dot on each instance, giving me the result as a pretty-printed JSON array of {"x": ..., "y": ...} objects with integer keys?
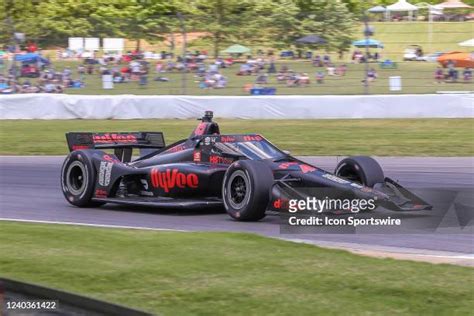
[{"x": 270, "y": 23}]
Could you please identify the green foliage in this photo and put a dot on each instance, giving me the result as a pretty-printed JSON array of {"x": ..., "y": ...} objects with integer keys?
[
  {"x": 225, "y": 21},
  {"x": 270, "y": 23}
]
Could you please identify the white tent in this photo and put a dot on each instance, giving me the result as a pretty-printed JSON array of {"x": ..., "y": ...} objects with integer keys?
[
  {"x": 402, "y": 6},
  {"x": 468, "y": 43},
  {"x": 453, "y": 4}
]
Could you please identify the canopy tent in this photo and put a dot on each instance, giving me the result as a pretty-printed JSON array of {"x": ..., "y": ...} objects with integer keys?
[
  {"x": 453, "y": 4},
  {"x": 31, "y": 58},
  {"x": 311, "y": 39},
  {"x": 236, "y": 49},
  {"x": 468, "y": 43},
  {"x": 377, "y": 9},
  {"x": 401, "y": 6},
  {"x": 458, "y": 59},
  {"x": 367, "y": 43}
]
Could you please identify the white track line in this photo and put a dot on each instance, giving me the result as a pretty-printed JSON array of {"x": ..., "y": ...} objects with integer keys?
[{"x": 89, "y": 225}]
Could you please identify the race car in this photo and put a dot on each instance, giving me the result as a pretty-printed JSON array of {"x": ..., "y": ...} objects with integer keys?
[{"x": 244, "y": 174}]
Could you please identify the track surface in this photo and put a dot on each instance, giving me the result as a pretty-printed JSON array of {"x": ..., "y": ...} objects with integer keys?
[{"x": 29, "y": 190}]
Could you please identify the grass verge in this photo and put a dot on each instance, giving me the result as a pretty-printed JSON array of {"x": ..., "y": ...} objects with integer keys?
[
  {"x": 174, "y": 273},
  {"x": 394, "y": 137}
]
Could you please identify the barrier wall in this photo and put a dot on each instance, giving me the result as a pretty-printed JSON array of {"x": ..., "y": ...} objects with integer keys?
[{"x": 48, "y": 106}]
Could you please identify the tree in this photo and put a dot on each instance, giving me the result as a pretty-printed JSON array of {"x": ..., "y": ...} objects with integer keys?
[
  {"x": 224, "y": 21},
  {"x": 19, "y": 16},
  {"x": 329, "y": 19}
]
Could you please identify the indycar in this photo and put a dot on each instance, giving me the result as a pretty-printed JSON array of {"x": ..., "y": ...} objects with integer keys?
[{"x": 244, "y": 174}]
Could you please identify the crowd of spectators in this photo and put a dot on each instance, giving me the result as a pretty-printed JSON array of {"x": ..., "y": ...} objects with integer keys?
[{"x": 452, "y": 75}]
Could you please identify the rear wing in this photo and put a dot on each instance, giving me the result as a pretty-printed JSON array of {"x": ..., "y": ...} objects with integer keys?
[{"x": 122, "y": 142}]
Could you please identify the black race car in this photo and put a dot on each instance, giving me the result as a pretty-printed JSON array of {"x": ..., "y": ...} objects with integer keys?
[{"x": 245, "y": 174}]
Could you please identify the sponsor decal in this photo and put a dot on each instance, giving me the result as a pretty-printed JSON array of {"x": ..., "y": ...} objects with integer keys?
[
  {"x": 105, "y": 172},
  {"x": 100, "y": 193},
  {"x": 171, "y": 178},
  {"x": 197, "y": 156},
  {"x": 286, "y": 165},
  {"x": 307, "y": 168},
  {"x": 146, "y": 193},
  {"x": 334, "y": 178},
  {"x": 110, "y": 158},
  {"x": 110, "y": 138},
  {"x": 219, "y": 159},
  {"x": 79, "y": 147},
  {"x": 176, "y": 148},
  {"x": 253, "y": 138},
  {"x": 207, "y": 141},
  {"x": 228, "y": 139},
  {"x": 200, "y": 129}
]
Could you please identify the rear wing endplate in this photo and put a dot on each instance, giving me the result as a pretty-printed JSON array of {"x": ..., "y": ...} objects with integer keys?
[{"x": 122, "y": 142}]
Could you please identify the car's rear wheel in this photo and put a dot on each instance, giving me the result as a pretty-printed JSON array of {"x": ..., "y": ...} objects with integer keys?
[
  {"x": 246, "y": 190},
  {"x": 78, "y": 179},
  {"x": 361, "y": 169}
]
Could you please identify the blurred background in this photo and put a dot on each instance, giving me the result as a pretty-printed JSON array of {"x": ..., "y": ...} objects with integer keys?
[{"x": 236, "y": 47}]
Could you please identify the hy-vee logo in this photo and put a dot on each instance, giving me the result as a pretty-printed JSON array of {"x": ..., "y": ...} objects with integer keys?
[
  {"x": 170, "y": 179},
  {"x": 109, "y": 138}
]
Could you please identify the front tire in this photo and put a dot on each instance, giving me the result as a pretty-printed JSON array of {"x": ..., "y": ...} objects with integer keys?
[
  {"x": 361, "y": 169},
  {"x": 246, "y": 190},
  {"x": 78, "y": 179}
]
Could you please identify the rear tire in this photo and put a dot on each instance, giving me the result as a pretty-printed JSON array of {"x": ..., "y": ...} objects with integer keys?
[
  {"x": 246, "y": 190},
  {"x": 78, "y": 177},
  {"x": 362, "y": 169}
]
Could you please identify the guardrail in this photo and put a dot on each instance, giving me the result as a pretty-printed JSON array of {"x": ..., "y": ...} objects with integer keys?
[{"x": 59, "y": 106}]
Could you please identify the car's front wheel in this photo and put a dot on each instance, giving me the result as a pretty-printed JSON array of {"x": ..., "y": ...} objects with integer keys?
[
  {"x": 246, "y": 190},
  {"x": 361, "y": 169}
]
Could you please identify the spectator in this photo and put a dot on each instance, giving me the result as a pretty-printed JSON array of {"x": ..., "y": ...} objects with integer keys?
[
  {"x": 262, "y": 79},
  {"x": 303, "y": 79},
  {"x": 452, "y": 74},
  {"x": 371, "y": 75},
  {"x": 467, "y": 74},
  {"x": 326, "y": 60},
  {"x": 320, "y": 77},
  {"x": 341, "y": 70},
  {"x": 331, "y": 70},
  {"x": 317, "y": 61},
  {"x": 272, "y": 67},
  {"x": 439, "y": 75}
]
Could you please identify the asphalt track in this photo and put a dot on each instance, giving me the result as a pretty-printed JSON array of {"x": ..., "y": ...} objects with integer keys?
[{"x": 29, "y": 191}]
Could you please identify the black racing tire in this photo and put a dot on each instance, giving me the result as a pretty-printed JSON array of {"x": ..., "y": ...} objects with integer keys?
[
  {"x": 246, "y": 190},
  {"x": 362, "y": 169},
  {"x": 78, "y": 177}
]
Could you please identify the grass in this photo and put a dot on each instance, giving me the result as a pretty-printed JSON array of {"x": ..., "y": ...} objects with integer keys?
[
  {"x": 172, "y": 273},
  {"x": 397, "y": 35},
  {"x": 394, "y": 137}
]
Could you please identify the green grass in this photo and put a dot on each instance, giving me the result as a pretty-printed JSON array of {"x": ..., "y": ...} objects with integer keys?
[
  {"x": 407, "y": 137},
  {"x": 227, "y": 273},
  {"x": 397, "y": 35}
]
